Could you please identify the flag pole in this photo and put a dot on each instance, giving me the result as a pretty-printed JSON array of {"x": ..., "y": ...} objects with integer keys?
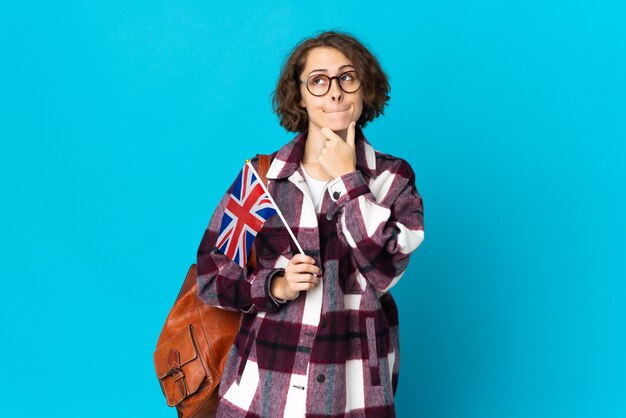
[{"x": 276, "y": 206}]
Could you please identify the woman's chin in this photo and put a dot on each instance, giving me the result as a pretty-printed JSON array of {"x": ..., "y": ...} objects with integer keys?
[{"x": 337, "y": 126}]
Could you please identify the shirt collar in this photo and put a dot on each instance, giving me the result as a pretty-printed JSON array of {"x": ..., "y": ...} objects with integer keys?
[{"x": 287, "y": 159}]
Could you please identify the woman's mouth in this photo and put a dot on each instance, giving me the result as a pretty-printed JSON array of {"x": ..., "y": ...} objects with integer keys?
[{"x": 336, "y": 110}]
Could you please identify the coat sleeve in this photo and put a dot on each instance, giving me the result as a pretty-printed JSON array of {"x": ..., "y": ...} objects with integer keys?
[
  {"x": 222, "y": 282},
  {"x": 381, "y": 234}
]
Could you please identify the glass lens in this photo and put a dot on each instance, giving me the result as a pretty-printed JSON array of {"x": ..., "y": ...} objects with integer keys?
[
  {"x": 318, "y": 84},
  {"x": 349, "y": 82}
]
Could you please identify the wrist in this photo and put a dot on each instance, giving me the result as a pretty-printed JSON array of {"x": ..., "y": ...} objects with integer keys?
[
  {"x": 280, "y": 290},
  {"x": 277, "y": 287},
  {"x": 344, "y": 172}
]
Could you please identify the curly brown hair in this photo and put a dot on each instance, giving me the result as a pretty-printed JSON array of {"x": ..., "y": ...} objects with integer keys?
[{"x": 374, "y": 81}]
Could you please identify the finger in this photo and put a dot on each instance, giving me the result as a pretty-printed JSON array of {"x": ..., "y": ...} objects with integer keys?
[
  {"x": 305, "y": 268},
  {"x": 351, "y": 134},
  {"x": 329, "y": 134},
  {"x": 302, "y": 258},
  {"x": 295, "y": 283},
  {"x": 304, "y": 278},
  {"x": 293, "y": 273},
  {"x": 300, "y": 287},
  {"x": 301, "y": 265}
]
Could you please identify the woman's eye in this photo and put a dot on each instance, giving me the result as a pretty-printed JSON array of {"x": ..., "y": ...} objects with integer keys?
[
  {"x": 346, "y": 77},
  {"x": 319, "y": 81}
]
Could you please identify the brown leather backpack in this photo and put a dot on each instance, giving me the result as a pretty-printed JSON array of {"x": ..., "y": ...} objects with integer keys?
[{"x": 194, "y": 344}]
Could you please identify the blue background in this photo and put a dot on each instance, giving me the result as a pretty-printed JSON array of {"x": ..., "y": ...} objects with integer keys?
[{"x": 122, "y": 123}]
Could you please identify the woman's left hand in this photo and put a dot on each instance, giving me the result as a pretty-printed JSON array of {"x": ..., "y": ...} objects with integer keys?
[{"x": 338, "y": 157}]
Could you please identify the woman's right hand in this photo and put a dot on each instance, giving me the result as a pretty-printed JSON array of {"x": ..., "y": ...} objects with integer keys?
[{"x": 301, "y": 274}]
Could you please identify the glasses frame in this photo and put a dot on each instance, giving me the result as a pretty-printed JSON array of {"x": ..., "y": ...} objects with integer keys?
[{"x": 330, "y": 83}]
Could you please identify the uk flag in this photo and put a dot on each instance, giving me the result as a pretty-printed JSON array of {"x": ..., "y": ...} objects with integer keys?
[{"x": 248, "y": 207}]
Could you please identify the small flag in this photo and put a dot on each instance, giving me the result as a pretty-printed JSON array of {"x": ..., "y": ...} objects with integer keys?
[{"x": 249, "y": 206}]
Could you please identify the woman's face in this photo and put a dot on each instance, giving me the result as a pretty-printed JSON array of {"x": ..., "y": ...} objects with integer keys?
[{"x": 335, "y": 109}]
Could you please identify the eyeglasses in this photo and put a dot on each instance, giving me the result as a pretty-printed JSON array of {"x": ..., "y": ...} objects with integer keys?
[{"x": 319, "y": 84}]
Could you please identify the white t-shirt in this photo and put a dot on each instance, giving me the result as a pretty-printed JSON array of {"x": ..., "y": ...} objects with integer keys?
[{"x": 317, "y": 188}]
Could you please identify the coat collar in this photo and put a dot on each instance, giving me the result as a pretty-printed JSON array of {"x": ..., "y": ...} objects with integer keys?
[{"x": 287, "y": 159}]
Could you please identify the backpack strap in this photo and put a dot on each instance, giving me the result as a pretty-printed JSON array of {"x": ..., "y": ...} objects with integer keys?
[{"x": 264, "y": 166}]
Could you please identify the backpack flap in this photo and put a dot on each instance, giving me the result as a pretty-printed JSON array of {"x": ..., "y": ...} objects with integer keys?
[{"x": 179, "y": 366}]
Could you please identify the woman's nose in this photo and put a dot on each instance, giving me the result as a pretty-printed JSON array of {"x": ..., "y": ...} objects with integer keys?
[{"x": 336, "y": 94}]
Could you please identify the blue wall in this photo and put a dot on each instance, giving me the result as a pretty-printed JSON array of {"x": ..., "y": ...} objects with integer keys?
[{"x": 122, "y": 123}]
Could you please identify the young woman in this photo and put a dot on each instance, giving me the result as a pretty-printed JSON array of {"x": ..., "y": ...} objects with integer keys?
[{"x": 319, "y": 336}]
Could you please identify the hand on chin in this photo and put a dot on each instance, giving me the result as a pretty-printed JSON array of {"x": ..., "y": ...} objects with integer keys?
[{"x": 338, "y": 127}]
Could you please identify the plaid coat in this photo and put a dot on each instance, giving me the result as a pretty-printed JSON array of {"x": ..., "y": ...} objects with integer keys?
[{"x": 334, "y": 351}]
